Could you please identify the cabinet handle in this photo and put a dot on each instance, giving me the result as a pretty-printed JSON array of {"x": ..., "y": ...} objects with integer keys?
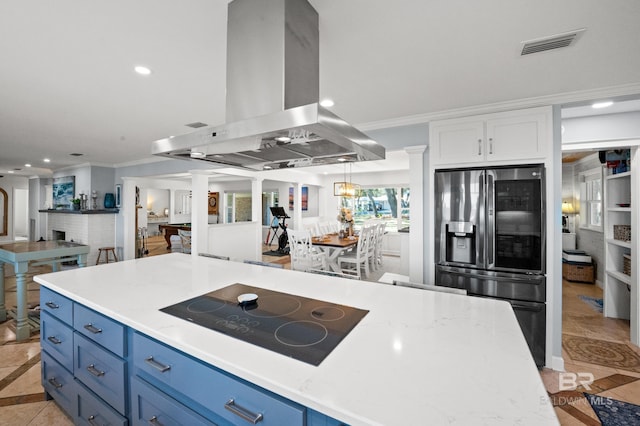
[
  {"x": 55, "y": 383},
  {"x": 54, "y": 340},
  {"x": 52, "y": 305},
  {"x": 479, "y": 146},
  {"x": 93, "y": 370},
  {"x": 154, "y": 421},
  {"x": 91, "y": 419},
  {"x": 490, "y": 146},
  {"x": 243, "y": 412},
  {"x": 158, "y": 366},
  {"x": 93, "y": 329}
]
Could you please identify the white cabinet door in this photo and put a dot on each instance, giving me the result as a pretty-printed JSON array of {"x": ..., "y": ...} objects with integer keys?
[
  {"x": 499, "y": 138},
  {"x": 457, "y": 142},
  {"x": 518, "y": 137}
]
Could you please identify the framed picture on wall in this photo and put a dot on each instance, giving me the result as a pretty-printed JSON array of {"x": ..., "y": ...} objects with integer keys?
[
  {"x": 213, "y": 202},
  {"x": 305, "y": 198},
  {"x": 63, "y": 191},
  {"x": 118, "y": 195}
]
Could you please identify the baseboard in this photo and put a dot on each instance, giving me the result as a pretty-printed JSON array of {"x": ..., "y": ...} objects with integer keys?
[{"x": 557, "y": 363}]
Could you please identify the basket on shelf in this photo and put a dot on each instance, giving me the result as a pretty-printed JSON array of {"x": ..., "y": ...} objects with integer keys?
[
  {"x": 580, "y": 272},
  {"x": 626, "y": 264},
  {"x": 622, "y": 232}
]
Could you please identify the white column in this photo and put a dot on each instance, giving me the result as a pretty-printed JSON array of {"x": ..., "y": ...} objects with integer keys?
[
  {"x": 417, "y": 235},
  {"x": 297, "y": 205},
  {"x": 256, "y": 214},
  {"x": 199, "y": 209},
  {"x": 128, "y": 209}
]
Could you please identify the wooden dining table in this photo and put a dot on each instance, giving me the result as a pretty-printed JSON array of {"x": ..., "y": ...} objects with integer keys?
[
  {"x": 20, "y": 254},
  {"x": 333, "y": 246}
]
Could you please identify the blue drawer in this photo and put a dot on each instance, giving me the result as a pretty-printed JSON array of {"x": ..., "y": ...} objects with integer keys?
[
  {"x": 56, "y": 305},
  {"x": 101, "y": 371},
  {"x": 58, "y": 383},
  {"x": 92, "y": 410},
  {"x": 229, "y": 398},
  {"x": 100, "y": 329},
  {"x": 56, "y": 338},
  {"x": 149, "y": 405}
]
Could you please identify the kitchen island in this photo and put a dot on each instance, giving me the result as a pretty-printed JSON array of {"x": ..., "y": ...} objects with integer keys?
[{"x": 417, "y": 357}]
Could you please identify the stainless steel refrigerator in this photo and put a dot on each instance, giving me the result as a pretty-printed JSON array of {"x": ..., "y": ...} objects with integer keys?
[{"x": 490, "y": 240}]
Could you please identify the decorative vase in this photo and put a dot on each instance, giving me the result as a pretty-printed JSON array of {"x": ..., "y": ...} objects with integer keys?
[
  {"x": 109, "y": 200},
  {"x": 351, "y": 229}
]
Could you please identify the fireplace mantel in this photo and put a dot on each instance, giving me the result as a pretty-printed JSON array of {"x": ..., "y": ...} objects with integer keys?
[{"x": 69, "y": 211}]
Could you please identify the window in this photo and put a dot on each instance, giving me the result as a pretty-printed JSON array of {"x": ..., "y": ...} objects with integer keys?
[
  {"x": 238, "y": 207},
  {"x": 388, "y": 204},
  {"x": 591, "y": 199}
]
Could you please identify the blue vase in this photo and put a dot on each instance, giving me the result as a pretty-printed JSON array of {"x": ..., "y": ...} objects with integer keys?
[{"x": 109, "y": 200}]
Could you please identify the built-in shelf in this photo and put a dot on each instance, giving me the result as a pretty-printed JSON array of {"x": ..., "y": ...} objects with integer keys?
[
  {"x": 69, "y": 211},
  {"x": 625, "y": 244},
  {"x": 620, "y": 276}
]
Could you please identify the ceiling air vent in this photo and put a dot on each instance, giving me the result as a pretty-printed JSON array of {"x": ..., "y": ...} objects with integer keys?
[
  {"x": 552, "y": 42},
  {"x": 196, "y": 125}
]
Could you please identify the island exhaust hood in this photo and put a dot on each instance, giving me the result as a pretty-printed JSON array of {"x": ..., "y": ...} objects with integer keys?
[{"x": 274, "y": 120}]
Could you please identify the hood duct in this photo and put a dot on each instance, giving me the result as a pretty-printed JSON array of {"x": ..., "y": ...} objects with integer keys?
[{"x": 274, "y": 120}]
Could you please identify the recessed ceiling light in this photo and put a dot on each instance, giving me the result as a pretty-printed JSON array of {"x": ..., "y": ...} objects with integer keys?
[
  {"x": 142, "y": 70},
  {"x": 10, "y": 172},
  {"x": 602, "y": 104},
  {"x": 342, "y": 160},
  {"x": 27, "y": 165},
  {"x": 198, "y": 154},
  {"x": 46, "y": 160},
  {"x": 327, "y": 103},
  {"x": 283, "y": 139}
]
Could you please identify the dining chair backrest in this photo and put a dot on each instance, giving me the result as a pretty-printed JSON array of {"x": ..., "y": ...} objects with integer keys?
[
  {"x": 303, "y": 255},
  {"x": 431, "y": 287}
]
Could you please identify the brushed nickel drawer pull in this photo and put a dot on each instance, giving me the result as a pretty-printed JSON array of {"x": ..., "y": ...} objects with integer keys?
[
  {"x": 54, "y": 340},
  {"x": 491, "y": 146},
  {"x": 91, "y": 419},
  {"x": 243, "y": 412},
  {"x": 52, "y": 305},
  {"x": 55, "y": 383},
  {"x": 479, "y": 146},
  {"x": 93, "y": 370},
  {"x": 154, "y": 421},
  {"x": 158, "y": 366},
  {"x": 93, "y": 329}
]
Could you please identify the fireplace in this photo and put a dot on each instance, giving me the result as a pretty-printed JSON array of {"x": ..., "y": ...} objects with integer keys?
[{"x": 57, "y": 235}]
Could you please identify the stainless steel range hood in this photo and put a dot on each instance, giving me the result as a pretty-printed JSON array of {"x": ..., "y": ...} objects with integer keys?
[{"x": 274, "y": 120}]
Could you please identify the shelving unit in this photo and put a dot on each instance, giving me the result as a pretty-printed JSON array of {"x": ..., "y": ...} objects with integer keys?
[{"x": 617, "y": 286}]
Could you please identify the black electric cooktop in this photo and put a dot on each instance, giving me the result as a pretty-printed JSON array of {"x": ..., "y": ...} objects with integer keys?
[{"x": 298, "y": 327}]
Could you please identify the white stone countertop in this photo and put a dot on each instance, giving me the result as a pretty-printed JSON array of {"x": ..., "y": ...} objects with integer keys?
[{"x": 416, "y": 358}]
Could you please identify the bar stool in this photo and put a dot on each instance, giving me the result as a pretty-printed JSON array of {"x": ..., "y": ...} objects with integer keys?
[{"x": 106, "y": 251}]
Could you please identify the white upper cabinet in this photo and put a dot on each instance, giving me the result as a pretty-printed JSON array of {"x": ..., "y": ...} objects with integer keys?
[{"x": 491, "y": 138}]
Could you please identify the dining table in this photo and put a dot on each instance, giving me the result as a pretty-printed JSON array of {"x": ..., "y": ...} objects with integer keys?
[
  {"x": 333, "y": 245},
  {"x": 21, "y": 254}
]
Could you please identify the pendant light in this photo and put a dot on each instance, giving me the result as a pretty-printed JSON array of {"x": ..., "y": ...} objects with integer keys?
[{"x": 344, "y": 188}]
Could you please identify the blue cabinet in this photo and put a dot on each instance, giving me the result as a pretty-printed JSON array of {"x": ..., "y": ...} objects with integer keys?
[{"x": 102, "y": 372}]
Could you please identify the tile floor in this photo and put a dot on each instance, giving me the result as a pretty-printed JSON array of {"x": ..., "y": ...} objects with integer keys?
[{"x": 22, "y": 400}]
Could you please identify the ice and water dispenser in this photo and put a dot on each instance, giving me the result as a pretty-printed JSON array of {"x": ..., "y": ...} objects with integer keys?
[{"x": 461, "y": 242}]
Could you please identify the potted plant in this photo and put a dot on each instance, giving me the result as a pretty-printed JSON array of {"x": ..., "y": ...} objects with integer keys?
[{"x": 75, "y": 203}]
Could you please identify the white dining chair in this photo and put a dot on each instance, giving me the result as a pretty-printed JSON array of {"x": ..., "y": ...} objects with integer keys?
[
  {"x": 303, "y": 255},
  {"x": 358, "y": 259}
]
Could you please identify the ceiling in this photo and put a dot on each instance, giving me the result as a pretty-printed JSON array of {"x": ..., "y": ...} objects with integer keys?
[{"x": 67, "y": 83}]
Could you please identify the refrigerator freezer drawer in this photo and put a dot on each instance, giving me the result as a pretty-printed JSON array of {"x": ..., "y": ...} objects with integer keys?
[{"x": 493, "y": 284}]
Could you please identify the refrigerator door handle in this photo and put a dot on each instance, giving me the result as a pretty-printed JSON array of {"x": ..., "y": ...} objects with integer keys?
[
  {"x": 491, "y": 223},
  {"x": 481, "y": 235}
]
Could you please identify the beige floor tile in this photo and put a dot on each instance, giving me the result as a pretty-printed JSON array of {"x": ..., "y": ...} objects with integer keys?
[
  {"x": 627, "y": 393},
  {"x": 14, "y": 355},
  {"x": 27, "y": 384},
  {"x": 51, "y": 414},
  {"x": 20, "y": 415}
]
